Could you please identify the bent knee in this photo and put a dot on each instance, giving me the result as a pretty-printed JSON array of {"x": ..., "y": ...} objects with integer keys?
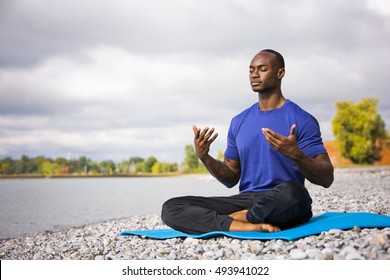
[
  {"x": 166, "y": 212},
  {"x": 296, "y": 191},
  {"x": 170, "y": 208}
]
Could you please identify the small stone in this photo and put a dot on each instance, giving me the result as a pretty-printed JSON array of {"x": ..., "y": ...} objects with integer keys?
[
  {"x": 208, "y": 254},
  {"x": 49, "y": 250},
  {"x": 314, "y": 254},
  {"x": 347, "y": 250},
  {"x": 297, "y": 254},
  {"x": 335, "y": 231},
  {"x": 327, "y": 253},
  {"x": 378, "y": 239},
  {"x": 228, "y": 252},
  {"x": 371, "y": 204},
  {"x": 280, "y": 257},
  {"x": 191, "y": 240},
  {"x": 191, "y": 252},
  {"x": 219, "y": 254},
  {"x": 37, "y": 256},
  {"x": 354, "y": 256},
  {"x": 172, "y": 256},
  {"x": 357, "y": 229},
  {"x": 278, "y": 249},
  {"x": 199, "y": 249}
]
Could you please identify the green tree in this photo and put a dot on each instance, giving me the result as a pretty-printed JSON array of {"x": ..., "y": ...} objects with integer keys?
[
  {"x": 124, "y": 167},
  {"x": 29, "y": 165},
  {"x": 48, "y": 168},
  {"x": 5, "y": 168},
  {"x": 107, "y": 167},
  {"x": 357, "y": 128},
  {"x": 83, "y": 164},
  {"x": 133, "y": 161},
  {"x": 62, "y": 162},
  {"x": 169, "y": 167},
  {"x": 191, "y": 161},
  {"x": 150, "y": 161},
  {"x": 140, "y": 167},
  {"x": 19, "y": 167}
]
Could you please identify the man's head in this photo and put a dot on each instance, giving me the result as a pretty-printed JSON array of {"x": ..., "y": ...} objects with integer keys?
[{"x": 266, "y": 71}]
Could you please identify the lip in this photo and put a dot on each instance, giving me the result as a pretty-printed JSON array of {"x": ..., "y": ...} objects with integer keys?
[{"x": 255, "y": 83}]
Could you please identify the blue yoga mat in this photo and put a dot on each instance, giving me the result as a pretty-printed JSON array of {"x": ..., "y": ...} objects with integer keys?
[{"x": 316, "y": 225}]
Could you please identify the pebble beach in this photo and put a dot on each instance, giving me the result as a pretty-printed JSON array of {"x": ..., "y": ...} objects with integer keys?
[{"x": 354, "y": 190}]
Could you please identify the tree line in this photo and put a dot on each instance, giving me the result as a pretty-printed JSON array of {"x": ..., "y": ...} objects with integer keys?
[
  {"x": 83, "y": 166},
  {"x": 47, "y": 166}
]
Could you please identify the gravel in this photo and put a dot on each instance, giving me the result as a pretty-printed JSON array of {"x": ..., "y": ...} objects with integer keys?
[{"x": 358, "y": 189}]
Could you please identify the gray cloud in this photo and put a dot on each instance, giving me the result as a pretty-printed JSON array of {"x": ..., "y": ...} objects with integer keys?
[{"x": 113, "y": 79}]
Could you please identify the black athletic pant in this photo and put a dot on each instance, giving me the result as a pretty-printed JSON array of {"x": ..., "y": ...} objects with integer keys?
[{"x": 285, "y": 206}]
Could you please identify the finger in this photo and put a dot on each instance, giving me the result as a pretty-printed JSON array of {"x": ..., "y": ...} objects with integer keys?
[
  {"x": 272, "y": 133},
  {"x": 213, "y": 138},
  {"x": 209, "y": 133},
  {"x": 271, "y": 139},
  {"x": 293, "y": 130},
  {"x": 203, "y": 132},
  {"x": 196, "y": 131}
]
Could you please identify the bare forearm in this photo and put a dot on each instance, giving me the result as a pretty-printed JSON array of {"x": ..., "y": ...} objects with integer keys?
[
  {"x": 227, "y": 172},
  {"x": 221, "y": 171},
  {"x": 318, "y": 170}
]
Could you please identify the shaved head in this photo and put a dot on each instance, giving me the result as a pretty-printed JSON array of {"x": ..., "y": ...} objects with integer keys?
[{"x": 278, "y": 57}]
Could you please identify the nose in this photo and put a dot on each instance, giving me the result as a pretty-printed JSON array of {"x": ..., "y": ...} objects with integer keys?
[{"x": 254, "y": 74}]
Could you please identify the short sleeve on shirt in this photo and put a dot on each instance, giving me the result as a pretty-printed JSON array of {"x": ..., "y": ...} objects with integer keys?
[
  {"x": 231, "y": 149},
  {"x": 309, "y": 138}
]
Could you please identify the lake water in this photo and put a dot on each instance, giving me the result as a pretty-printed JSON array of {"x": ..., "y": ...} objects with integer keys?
[{"x": 36, "y": 205}]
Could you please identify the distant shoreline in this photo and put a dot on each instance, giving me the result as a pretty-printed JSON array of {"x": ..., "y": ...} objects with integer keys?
[
  {"x": 24, "y": 176},
  {"x": 150, "y": 175}
]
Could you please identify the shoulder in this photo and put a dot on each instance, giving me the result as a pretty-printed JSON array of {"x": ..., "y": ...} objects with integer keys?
[
  {"x": 247, "y": 112},
  {"x": 292, "y": 106},
  {"x": 300, "y": 113}
]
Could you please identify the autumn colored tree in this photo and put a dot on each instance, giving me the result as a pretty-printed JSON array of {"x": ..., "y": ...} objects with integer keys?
[{"x": 358, "y": 127}]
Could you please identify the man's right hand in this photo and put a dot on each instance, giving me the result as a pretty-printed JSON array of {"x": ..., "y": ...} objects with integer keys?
[{"x": 202, "y": 140}]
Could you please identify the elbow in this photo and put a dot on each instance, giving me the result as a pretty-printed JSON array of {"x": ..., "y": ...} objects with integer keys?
[
  {"x": 231, "y": 180},
  {"x": 329, "y": 179},
  {"x": 328, "y": 184},
  {"x": 229, "y": 185}
]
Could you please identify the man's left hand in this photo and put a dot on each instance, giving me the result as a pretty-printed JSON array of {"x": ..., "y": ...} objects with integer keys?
[{"x": 287, "y": 146}]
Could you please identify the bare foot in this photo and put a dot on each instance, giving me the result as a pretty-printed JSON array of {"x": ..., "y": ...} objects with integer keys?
[
  {"x": 239, "y": 216},
  {"x": 267, "y": 228},
  {"x": 243, "y": 226}
]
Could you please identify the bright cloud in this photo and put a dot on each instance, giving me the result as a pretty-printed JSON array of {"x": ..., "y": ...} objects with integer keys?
[{"x": 115, "y": 79}]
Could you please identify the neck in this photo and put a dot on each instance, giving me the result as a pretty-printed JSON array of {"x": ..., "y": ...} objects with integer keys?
[{"x": 271, "y": 101}]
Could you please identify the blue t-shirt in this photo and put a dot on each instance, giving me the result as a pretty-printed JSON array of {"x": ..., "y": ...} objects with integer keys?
[{"x": 262, "y": 167}]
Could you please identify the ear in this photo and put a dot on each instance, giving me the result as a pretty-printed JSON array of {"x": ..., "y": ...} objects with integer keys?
[{"x": 281, "y": 73}]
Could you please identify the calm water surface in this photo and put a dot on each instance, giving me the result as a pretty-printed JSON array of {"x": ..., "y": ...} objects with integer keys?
[{"x": 36, "y": 205}]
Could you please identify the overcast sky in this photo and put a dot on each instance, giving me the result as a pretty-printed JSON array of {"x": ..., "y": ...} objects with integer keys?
[{"x": 120, "y": 78}]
